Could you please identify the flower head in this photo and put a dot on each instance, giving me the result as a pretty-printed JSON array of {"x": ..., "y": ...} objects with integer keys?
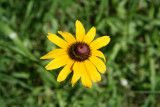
[{"x": 79, "y": 55}]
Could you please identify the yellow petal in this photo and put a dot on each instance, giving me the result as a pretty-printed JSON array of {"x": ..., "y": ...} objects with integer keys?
[
  {"x": 91, "y": 69},
  {"x": 90, "y": 35},
  {"x": 58, "y": 62},
  {"x": 100, "y": 42},
  {"x": 65, "y": 71},
  {"x": 55, "y": 53},
  {"x": 80, "y": 31},
  {"x": 99, "y": 54},
  {"x": 85, "y": 77},
  {"x": 57, "y": 40},
  {"x": 98, "y": 63},
  {"x": 67, "y": 36},
  {"x": 76, "y": 73}
]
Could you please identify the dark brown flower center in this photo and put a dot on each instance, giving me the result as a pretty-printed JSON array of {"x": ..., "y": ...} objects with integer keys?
[{"x": 79, "y": 51}]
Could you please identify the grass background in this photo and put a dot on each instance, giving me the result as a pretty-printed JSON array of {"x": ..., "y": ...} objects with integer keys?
[{"x": 133, "y": 55}]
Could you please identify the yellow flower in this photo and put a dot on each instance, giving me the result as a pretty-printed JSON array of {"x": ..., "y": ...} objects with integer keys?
[{"x": 80, "y": 55}]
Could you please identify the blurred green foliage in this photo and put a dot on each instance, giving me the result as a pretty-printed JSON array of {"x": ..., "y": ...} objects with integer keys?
[{"x": 132, "y": 78}]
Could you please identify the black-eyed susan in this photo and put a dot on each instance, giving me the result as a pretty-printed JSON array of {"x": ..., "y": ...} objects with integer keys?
[{"x": 79, "y": 55}]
